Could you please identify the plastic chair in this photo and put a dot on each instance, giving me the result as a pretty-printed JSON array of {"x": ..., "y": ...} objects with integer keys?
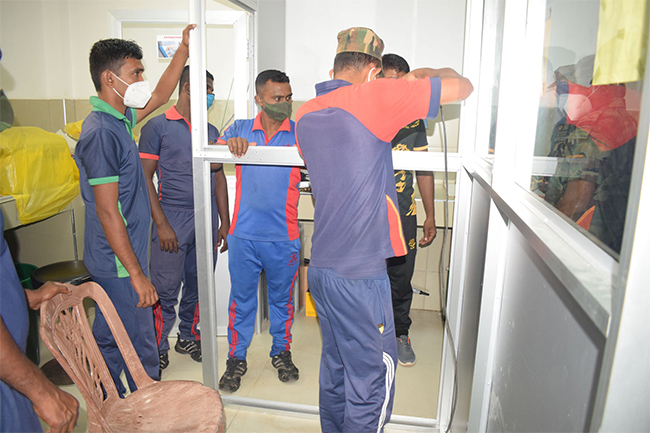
[{"x": 170, "y": 406}]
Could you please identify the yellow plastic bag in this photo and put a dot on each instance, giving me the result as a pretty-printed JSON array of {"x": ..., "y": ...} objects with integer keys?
[
  {"x": 73, "y": 129},
  {"x": 38, "y": 171}
]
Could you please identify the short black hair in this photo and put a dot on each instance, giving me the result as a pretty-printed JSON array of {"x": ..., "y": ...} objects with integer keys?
[
  {"x": 111, "y": 54},
  {"x": 185, "y": 77},
  {"x": 272, "y": 75},
  {"x": 354, "y": 61},
  {"x": 395, "y": 62}
]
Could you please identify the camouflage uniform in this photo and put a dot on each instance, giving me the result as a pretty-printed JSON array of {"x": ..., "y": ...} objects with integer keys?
[
  {"x": 579, "y": 160},
  {"x": 609, "y": 170}
]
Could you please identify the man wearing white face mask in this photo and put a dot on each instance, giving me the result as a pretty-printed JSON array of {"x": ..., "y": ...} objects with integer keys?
[{"x": 114, "y": 191}]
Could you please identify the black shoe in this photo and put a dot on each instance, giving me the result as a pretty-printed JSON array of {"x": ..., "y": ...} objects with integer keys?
[
  {"x": 231, "y": 379},
  {"x": 287, "y": 371},
  {"x": 164, "y": 361},
  {"x": 189, "y": 347}
]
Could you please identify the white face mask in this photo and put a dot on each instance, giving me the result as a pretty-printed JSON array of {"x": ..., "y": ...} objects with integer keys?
[
  {"x": 370, "y": 73},
  {"x": 137, "y": 94}
]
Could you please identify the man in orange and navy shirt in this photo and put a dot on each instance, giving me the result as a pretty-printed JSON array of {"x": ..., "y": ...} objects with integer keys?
[
  {"x": 166, "y": 149},
  {"x": 264, "y": 232},
  {"x": 344, "y": 135}
]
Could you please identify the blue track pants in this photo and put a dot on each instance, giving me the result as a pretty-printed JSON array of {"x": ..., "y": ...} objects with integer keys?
[
  {"x": 246, "y": 259},
  {"x": 359, "y": 352}
]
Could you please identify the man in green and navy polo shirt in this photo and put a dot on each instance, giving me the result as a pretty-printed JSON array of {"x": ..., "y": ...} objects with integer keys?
[{"x": 114, "y": 191}]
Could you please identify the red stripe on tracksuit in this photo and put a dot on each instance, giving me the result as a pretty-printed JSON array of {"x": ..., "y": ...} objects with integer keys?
[
  {"x": 289, "y": 321},
  {"x": 291, "y": 208},
  {"x": 234, "y": 337},
  {"x": 235, "y": 212},
  {"x": 158, "y": 321},
  {"x": 195, "y": 322}
]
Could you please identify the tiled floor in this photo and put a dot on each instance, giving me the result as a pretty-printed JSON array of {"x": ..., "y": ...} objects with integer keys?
[{"x": 416, "y": 387}]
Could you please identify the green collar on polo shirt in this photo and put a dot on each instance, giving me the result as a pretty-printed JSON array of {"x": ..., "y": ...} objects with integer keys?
[{"x": 105, "y": 107}]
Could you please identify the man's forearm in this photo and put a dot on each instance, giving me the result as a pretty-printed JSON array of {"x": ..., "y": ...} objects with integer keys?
[
  {"x": 221, "y": 192},
  {"x": 454, "y": 87},
  {"x": 17, "y": 371},
  {"x": 157, "y": 212},
  {"x": 169, "y": 78},
  {"x": 430, "y": 72},
  {"x": 172, "y": 74},
  {"x": 576, "y": 198},
  {"x": 56, "y": 407},
  {"x": 426, "y": 186},
  {"x": 149, "y": 167}
]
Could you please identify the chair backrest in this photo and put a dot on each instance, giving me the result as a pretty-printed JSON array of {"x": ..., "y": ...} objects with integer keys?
[{"x": 67, "y": 334}]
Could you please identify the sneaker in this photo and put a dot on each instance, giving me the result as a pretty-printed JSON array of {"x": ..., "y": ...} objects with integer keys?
[
  {"x": 164, "y": 361},
  {"x": 287, "y": 371},
  {"x": 189, "y": 347},
  {"x": 405, "y": 354},
  {"x": 231, "y": 379}
]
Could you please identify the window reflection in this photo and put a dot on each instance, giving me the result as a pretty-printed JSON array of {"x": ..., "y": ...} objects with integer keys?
[{"x": 587, "y": 123}]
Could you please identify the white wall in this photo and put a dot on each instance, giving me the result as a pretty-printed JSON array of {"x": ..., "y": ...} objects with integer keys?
[
  {"x": 220, "y": 58},
  {"x": 424, "y": 32},
  {"x": 271, "y": 22},
  {"x": 45, "y": 43}
]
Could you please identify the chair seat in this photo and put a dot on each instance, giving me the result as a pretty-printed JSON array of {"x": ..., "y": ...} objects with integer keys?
[
  {"x": 171, "y": 406},
  {"x": 160, "y": 407}
]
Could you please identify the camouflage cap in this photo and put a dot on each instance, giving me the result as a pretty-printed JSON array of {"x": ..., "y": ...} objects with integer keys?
[{"x": 360, "y": 40}]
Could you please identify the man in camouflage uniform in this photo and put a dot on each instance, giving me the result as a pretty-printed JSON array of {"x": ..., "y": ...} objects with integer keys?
[
  {"x": 595, "y": 150},
  {"x": 413, "y": 137}
]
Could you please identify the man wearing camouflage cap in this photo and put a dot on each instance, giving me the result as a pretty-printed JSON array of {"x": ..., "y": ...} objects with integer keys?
[{"x": 344, "y": 135}]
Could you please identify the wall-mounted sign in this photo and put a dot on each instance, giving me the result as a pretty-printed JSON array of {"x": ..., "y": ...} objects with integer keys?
[{"x": 167, "y": 45}]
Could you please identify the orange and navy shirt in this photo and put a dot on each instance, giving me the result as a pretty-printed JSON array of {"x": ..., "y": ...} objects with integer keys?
[
  {"x": 266, "y": 200},
  {"x": 167, "y": 138},
  {"x": 344, "y": 135}
]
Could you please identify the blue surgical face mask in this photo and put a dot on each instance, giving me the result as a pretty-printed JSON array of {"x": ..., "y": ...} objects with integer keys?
[{"x": 210, "y": 99}]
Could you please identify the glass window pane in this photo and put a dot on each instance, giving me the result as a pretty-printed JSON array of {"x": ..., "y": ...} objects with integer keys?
[
  {"x": 588, "y": 113},
  {"x": 491, "y": 47}
]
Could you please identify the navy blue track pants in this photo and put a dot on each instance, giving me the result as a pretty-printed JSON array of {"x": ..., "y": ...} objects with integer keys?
[
  {"x": 168, "y": 270},
  {"x": 359, "y": 352},
  {"x": 138, "y": 323}
]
